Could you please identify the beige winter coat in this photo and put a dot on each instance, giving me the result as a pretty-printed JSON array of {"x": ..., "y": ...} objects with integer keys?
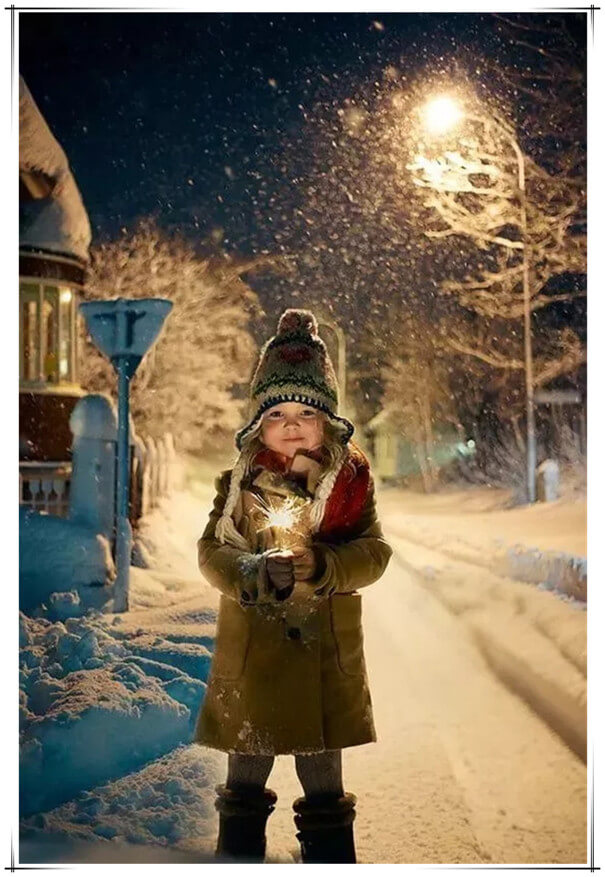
[{"x": 289, "y": 677}]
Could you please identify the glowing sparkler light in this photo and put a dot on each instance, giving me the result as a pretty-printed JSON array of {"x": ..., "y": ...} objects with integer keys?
[
  {"x": 284, "y": 518},
  {"x": 284, "y": 515},
  {"x": 281, "y": 518}
]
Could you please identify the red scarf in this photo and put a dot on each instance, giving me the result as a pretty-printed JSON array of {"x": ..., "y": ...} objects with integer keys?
[{"x": 348, "y": 496}]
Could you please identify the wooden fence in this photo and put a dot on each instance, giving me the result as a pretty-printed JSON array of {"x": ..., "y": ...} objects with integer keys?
[{"x": 154, "y": 473}]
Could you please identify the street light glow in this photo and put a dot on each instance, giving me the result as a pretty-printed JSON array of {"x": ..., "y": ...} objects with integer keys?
[{"x": 441, "y": 114}]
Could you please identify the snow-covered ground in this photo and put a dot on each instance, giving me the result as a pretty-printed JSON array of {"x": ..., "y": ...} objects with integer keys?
[
  {"x": 533, "y": 635},
  {"x": 483, "y": 516},
  {"x": 544, "y": 543},
  {"x": 468, "y": 767}
]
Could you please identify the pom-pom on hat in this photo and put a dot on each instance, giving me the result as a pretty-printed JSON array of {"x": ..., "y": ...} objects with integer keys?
[{"x": 294, "y": 366}]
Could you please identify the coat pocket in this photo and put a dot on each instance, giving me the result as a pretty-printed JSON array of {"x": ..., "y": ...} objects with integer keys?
[
  {"x": 345, "y": 612},
  {"x": 232, "y": 641}
]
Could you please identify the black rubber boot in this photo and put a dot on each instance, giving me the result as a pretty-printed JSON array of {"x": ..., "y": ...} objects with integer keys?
[
  {"x": 243, "y": 818},
  {"x": 325, "y": 828}
]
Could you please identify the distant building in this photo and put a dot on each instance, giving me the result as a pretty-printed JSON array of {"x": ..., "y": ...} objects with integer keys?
[
  {"x": 394, "y": 454},
  {"x": 54, "y": 237}
]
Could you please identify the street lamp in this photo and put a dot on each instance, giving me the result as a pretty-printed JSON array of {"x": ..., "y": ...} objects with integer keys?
[{"x": 440, "y": 115}]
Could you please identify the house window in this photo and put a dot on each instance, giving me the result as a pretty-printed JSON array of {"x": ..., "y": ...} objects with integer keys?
[
  {"x": 67, "y": 335},
  {"x": 47, "y": 333},
  {"x": 29, "y": 367},
  {"x": 50, "y": 332}
]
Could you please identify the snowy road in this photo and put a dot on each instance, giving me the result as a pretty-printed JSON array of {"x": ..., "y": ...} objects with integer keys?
[{"x": 463, "y": 771}]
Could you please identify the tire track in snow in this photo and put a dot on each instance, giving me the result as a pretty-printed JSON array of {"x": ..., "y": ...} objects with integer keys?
[{"x": 522, "y": 790}]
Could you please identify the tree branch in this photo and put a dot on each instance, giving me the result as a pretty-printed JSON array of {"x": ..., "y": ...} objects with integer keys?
[
  {"x": 462, "y": 230},
  {"x": 494, "y": 359}
]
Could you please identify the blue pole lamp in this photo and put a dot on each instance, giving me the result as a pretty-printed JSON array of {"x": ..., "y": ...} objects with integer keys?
[{"x": 124, "y": 330}]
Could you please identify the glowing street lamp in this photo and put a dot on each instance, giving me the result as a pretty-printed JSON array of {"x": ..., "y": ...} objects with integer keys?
[{"x": 440, "y": 115}]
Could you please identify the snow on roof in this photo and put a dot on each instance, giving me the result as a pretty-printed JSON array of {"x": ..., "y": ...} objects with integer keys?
[
  {"x": 381, "y": 419},
  {"x": 58, "y": 223}
]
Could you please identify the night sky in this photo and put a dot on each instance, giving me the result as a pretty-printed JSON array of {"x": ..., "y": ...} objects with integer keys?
[
  {"x": 185, "y": 115},
  {"x": 219, "y": 125},
  {"x": 228, "y": 128}
]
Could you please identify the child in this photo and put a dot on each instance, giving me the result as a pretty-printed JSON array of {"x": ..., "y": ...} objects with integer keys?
[{"x": 293, "y": 534}]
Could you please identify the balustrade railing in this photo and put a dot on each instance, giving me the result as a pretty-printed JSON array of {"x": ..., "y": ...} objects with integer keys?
[{"x": 44, "y": 487}]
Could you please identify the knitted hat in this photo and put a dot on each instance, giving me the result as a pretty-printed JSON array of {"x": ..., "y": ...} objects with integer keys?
[{"x": 294, "y": 366}]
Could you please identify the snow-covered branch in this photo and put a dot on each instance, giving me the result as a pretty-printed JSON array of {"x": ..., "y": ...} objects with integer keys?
[
  {"x": 492, "y": 358},
  {"x": 205, "y": 347}
]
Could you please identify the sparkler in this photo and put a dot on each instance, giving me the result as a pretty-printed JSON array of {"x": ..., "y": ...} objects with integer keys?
[
  {"x": 287, "y": 520},
  {"x": 290, "y": 527}
]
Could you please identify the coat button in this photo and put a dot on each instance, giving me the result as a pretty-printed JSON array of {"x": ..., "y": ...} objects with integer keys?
[{"x": 293, "y": 633}]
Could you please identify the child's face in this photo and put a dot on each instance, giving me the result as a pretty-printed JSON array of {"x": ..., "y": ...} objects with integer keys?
[{"x": 289, "y": 426}]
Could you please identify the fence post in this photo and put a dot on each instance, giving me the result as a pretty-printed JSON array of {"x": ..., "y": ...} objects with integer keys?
[
  {"x": 152, "y": 469},
  {"x": 548, "y": 481},
  {"x": 162, "y": 466},
  {"x": 172, "y": 462},
  {"x": 136, "y": 485}
]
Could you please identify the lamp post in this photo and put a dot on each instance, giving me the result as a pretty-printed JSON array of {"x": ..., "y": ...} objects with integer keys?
[
  {"x": 441, "y": 114},
  {"x": 342, "y": 359},
  {"x": 529, "y": 369}
]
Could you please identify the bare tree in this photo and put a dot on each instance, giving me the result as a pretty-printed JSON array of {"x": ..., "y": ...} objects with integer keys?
[
  {"x": 185, "y": 383},
  {"x": 510, "y": 178},
  {"x": 542, "y": 72},
  {"x": 474, "y": 191},
  {"x": 499, "y": 344}
]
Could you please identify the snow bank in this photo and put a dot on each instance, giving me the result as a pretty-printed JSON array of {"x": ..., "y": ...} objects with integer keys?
[
  {"x": 62, "y": 564},
  {"x": 42, "y": 847},
  {"x": 163, "y": 813},
  {"x": 543, "y": 544},
  {"x": 103, "y": 695},
  {"x": 96, "y": 703},
  {"x": 558, "y": 571},
  {"x": 534, "y": 641},
  {"x": 168, "y": 803}
]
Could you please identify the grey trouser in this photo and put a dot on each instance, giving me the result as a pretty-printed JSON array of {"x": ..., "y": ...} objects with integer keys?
[{"x": 318, "y": 773}]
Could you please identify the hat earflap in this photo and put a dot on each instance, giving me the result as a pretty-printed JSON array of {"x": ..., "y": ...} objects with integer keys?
[{"x": 226, "y": 531}]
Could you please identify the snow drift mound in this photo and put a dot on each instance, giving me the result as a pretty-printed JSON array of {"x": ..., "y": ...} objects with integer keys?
[
  {"x": 58, "y": 557},
  {"x": 95, "y": 704}
]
